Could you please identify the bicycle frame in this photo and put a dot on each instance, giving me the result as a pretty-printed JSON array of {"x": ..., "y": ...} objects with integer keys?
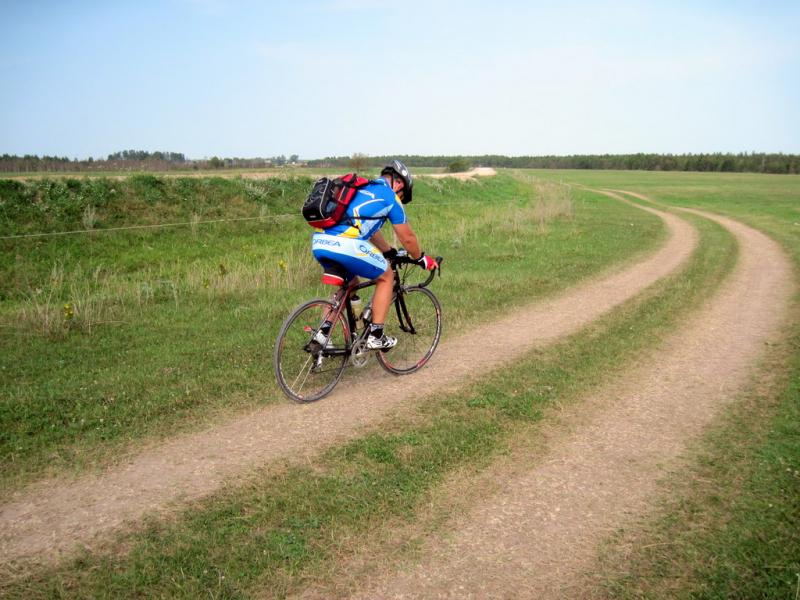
[
  {"x": 301, "y": 351},
  {"x": 341, "y": 302}
]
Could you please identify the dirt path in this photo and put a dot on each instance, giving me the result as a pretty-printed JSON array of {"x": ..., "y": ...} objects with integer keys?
[
  {"x": 52, "y": 517},
  {"x": 477, "y": 172},
  {"x": 538, "y": 537}
]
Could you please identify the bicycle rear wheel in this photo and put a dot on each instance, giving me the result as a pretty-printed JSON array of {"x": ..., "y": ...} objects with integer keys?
[
  {"x": 304, "y": 369},
  {"x": 417, "y": 325}
]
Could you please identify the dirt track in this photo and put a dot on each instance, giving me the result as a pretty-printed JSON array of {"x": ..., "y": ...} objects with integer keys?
[
  {"x": 538, "y": 538},
  {"x": 52, "y": 517},
  {"x": 477, "y": 172}
]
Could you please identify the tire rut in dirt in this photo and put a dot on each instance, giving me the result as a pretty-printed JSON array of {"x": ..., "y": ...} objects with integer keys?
[
  {"x": 538, "y": 537},
  {"x": 53, "y": 516}
]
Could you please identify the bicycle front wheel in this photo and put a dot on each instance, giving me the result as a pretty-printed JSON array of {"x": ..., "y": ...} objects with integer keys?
[
  {"x": 417, "y": 325},
  {"x": 306, "y": 371}
]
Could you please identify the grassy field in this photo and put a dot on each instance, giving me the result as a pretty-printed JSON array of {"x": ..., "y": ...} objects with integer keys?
[
  {"x": 729, "y": 528},
  {"x": 311, "y": 518},
  {"x": 271, "y": 172},
  {"x": 85, "y": 368},
  {"x": 289, "y": 527},
  {"x": 275, "y": 172}
]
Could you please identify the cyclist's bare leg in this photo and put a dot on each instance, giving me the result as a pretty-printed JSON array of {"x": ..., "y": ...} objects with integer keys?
[{"x": 382, "y": 297}]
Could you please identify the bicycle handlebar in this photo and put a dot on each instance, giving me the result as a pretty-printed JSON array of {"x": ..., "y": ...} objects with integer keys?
[{"x": 403, "y": 258}]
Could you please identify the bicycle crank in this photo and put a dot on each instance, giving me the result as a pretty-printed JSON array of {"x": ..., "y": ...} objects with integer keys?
[{"x": 359, "y": 355}]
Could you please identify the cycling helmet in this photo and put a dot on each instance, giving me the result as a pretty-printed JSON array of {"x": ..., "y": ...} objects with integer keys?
[{"x": 398, "y": 169}]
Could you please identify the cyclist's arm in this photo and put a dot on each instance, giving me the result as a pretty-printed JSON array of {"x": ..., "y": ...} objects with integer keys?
[
  {"x": 408, "y": 239},
  {"x": 380, "y": 241}
]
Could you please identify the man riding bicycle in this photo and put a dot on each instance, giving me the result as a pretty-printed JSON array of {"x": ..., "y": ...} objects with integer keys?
[{"x": 356, "y": 247}]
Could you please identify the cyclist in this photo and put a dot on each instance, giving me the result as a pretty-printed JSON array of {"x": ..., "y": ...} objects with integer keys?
[{"x": 356, "y": 246}]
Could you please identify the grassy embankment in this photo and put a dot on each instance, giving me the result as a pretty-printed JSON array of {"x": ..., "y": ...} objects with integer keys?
[
  {"x": 729, "y": 526},
  {"x": 294, "y": 525},
  {"x": 287, "y": 172},
  {"x": 272, "y": 172},
  {"x": 109, "y": 337}
]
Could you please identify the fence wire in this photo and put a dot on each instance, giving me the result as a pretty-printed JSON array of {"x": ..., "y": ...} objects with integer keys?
[{"x": 181, "y": 224}]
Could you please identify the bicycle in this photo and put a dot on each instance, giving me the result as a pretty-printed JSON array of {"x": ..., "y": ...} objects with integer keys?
[{"x": 308, "y": 370}]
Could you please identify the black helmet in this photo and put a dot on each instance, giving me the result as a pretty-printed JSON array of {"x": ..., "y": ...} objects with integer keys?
[{"x": 398, "y": 169}]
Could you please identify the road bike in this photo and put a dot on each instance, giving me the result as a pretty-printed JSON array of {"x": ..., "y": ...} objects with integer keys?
[{"x": 308, "y": 370}]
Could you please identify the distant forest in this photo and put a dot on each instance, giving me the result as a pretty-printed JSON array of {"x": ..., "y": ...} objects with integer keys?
[
  {"x": 133, "y": 160},
  {"x": 718, "y": 162},
  {"x": 141, "y": 160}
]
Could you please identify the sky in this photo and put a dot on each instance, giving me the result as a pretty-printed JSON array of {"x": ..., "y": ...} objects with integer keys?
[{"x": 242, "y": 78}]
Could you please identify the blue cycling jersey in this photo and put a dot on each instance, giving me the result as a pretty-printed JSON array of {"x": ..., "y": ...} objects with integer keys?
[{"x": 368, "y": 211}]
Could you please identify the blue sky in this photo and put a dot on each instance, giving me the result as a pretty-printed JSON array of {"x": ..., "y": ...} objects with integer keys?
[{"x": 334, "y": 77}]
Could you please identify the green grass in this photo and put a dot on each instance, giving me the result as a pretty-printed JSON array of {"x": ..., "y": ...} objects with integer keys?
[
  {"x": 271, "y": 172},
  {"x": 285, "y": 529},
  {"x": 275, "y": 172},
  {"x": 729, "y": 525},
  {"x": 172, "y": 328},
  {"x": 733, "y": 512}
]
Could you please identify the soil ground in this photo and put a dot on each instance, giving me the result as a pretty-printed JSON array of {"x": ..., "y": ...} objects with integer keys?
[
  {"x": 477, "y": 172},
  {"x": 538, "y": 536},
  {"x": 50, "y": 518}
]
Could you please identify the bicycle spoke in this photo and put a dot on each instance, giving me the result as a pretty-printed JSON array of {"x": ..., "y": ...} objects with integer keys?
[
  {"x": 296, "y": 368},
  {"x": 420, "y": 308},
  {"x": 302, "y": 370}
]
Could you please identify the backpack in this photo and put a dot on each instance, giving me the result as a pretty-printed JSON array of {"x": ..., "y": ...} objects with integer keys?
[{"x": 329, "y": 199}]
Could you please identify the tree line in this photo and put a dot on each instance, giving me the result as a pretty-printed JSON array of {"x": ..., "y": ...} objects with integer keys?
[
  {"x": 754, "y": 162},
  {"x": 177, "y": 157},
  {"x": 744, "y": 162},
  {"x": 134, "y": 160}
]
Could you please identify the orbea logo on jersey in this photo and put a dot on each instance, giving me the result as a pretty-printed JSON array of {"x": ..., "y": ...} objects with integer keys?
[{"x": 325, "y": 242}]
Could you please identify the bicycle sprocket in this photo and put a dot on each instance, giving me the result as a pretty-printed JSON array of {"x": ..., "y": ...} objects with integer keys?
[{"x": 359, "y": 355}]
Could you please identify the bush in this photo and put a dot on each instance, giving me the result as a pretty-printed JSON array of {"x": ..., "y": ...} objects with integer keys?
[
  {"x": 459, "y": 166},
  {"x": 147, "y": 187}
]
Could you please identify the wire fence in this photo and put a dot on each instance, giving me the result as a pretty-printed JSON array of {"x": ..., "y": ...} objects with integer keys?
[
  {"x": 181, "y": 224},
  {"x": 152, "y": 226}
]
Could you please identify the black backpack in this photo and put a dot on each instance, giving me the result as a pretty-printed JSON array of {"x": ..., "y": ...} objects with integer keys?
[{"x": 329, "y": 199}]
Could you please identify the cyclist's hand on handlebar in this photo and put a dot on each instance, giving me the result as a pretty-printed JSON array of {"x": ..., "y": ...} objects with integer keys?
[
  {"x": 427, "y": 262},
  {"x": 390, "y": 254}
]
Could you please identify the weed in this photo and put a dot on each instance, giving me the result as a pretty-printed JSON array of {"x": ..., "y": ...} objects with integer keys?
[
  {"x": 193, "y": 223},
  {"x": 89, "y": 217}
]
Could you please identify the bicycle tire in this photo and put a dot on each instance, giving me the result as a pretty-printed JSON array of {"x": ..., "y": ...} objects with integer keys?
[
  {"x": 304, "y": 370},
  {"x": 413, "y": 349}
]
